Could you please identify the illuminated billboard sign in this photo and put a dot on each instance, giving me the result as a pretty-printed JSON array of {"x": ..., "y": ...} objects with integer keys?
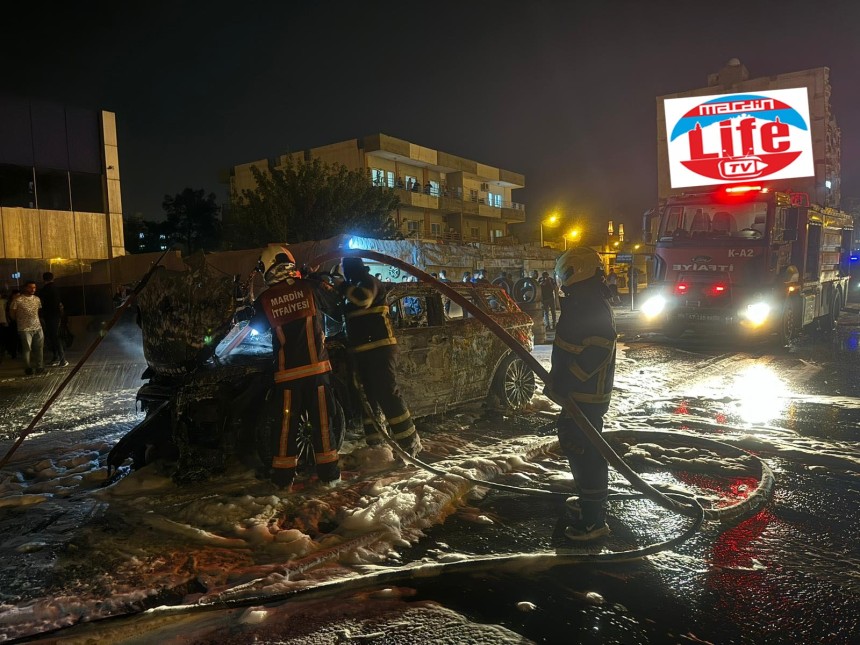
[{"x": 727, "y": 138}]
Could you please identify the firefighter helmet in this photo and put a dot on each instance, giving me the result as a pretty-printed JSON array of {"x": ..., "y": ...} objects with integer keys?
[
  {"x": 577, "y": 264},
  {"x": 276, "y": 263}
]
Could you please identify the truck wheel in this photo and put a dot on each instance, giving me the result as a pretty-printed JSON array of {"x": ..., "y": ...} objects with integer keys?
[
  {"x": 829, "y": 321},
  {"x": 790, "y": 325},
  {"x": 514, "y": 383}
]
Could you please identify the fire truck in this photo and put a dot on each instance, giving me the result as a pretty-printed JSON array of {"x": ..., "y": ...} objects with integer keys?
[{"x": 748, "y": 260}]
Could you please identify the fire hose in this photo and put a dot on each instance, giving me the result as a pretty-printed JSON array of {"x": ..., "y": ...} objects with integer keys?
[{"x": 683, "y": 505}]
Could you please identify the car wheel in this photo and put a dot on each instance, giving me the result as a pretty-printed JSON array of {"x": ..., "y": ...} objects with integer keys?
[
  {"x": 305, "y": 441},
  {"x": 514, "y": 383}
]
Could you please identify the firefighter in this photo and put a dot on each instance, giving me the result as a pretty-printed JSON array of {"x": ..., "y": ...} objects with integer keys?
[
  {"x": 583, "y": 369},
  {"x": 373, "y": 347},
  {"x": 292, "y": 307}
]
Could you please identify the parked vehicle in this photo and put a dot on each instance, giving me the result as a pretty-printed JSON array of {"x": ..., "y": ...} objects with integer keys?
[
  {"x": 745, "y": 259},
  {"x": 202, "y": 401}
]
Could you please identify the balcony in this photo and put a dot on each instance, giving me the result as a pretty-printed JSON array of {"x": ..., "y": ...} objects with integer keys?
[
  {"x": 428, "y": 234},
  {"x": 456, "y": 200}
]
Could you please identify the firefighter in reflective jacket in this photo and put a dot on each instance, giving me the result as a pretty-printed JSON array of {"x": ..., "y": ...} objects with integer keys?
[
  {"x": 583, "y": 368},
  {"x": 291, "y": 307},
  {"x": 373, "y": 347}
]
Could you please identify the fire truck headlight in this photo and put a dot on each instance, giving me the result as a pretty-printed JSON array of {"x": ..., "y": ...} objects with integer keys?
[
  {"x": 757, "y": 313},
  {"x": 654, "y": 306}
]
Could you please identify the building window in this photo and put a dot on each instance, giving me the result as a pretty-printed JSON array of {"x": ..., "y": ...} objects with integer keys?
[
  {"x": 87, "y": 192},
  {"x": 16, "y": 187},
  {"x": 497, "y": 233},
  {"x": 410, "y": 181},
  {"x": 389, "y": 178},
  {"x": 473, "y": 194},
  {"x": 494, "y": 199},
  {"x": 435, "y": 229},
  {"x": 475, "y": 232},
  {"x": 377, "y": 176},
  {"x": 413, "y": 226},
  {"x": 52, "y": 190}
]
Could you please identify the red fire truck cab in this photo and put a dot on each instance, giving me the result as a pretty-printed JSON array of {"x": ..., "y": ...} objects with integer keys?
[{"x": 748, "y": 260}]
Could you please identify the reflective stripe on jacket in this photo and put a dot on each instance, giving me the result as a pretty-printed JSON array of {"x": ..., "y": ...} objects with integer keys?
[
  {"x": 298, "y": 338},
  {"x": 594, "y": 381},
  {"x": 583, "y": 352}
]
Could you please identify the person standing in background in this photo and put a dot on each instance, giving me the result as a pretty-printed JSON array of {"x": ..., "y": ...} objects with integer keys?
[
  {"x": 612, "y": 283},
  {"x": 25, "y": 311},
  {"x": 548, "y": 289},
  {"x": 52, "y": 314}
]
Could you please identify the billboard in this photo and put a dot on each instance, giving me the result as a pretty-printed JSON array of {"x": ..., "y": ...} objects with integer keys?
[{"x": 729, "y": 138}]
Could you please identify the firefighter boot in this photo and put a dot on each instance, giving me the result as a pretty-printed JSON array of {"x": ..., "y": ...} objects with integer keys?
[
  {"x": 283, "y": 477},
  {"x": 410, "y": 444}
]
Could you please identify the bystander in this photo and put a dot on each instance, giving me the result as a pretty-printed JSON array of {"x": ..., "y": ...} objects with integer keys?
[
  {"x": 52, "y": 314},
  {"x": 25, "y": 311}
]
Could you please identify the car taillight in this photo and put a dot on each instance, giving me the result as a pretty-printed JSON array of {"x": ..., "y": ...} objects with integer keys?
[
  {"x": 718, "y": 289},
  {"x": 681, "y": 289}
]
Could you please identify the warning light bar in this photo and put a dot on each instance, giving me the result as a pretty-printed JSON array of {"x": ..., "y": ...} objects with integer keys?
[
  {"x": 718, "y": 289},
  {"x": 733, "y": 190}
]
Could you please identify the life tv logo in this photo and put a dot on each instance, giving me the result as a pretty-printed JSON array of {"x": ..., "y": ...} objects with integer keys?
[{"x": 737, "y": 137}]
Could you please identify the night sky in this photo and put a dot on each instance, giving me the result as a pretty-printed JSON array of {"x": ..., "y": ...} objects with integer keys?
[{"x": 563, "y": 92}]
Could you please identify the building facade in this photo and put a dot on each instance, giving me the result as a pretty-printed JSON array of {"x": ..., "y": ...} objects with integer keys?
[
  {"x": 60, "y": 204},
  {"x": 442, "y": 196},
  {"x": 825, "y": 187}
]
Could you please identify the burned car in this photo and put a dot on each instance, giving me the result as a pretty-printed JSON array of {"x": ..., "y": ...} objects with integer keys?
[{"x": 207, "y": 377}]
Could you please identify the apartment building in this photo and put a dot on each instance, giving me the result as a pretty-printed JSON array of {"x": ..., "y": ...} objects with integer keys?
[
  {"x": 442, "y": 196},
  {"x": 60, "y": 205}
]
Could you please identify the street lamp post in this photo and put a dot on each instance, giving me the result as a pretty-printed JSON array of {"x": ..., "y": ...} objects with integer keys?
[
  {"x": 552, "y": 220},
  {"x": 573, "y": 233}
]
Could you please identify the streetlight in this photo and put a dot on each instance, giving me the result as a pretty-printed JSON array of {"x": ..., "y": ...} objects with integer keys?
[
  {"x": 573, "y": 234},
  {"x": 552, "y": 220}
]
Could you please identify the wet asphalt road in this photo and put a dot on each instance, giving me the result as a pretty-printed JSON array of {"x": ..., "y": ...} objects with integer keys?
[{"x": 785, "y": 575}]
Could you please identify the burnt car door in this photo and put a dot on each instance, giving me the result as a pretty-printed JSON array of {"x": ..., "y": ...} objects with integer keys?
[
  {"x": 477, "y": 353},
  {"x": 424, "y": 349},
  {"x": 473, "y": 353}
]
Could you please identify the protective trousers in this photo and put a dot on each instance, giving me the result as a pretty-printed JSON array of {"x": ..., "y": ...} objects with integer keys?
[
  {"x": 375, "y": 369},
  {"x": 589, "y": 468},
  {"x": 309, "y": 400}
]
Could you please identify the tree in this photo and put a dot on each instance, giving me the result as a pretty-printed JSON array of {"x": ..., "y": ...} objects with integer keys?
[
  {"x": 310, "y": 200},
  {"x": 145, "y": 236},
  {"x": 193, "y": 219}
]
